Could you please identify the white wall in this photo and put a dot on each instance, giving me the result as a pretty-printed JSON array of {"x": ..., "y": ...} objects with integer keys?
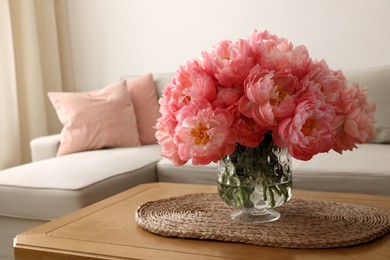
[{"x": 112, "y": 38}]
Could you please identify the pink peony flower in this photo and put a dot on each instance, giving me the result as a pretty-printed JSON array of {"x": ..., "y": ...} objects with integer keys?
[
  {"x": 330, "y": 82},
  {"x": 229, "y": 62},
  {"x": 166, "y": 126},
  {"x": 203, "y": 134},
  {"x": 268, "y": 97},
  {"x": 311, "y": 129},
  {"x": 356, "y": 119},
  {"x": 193, "y": 83},
  {"x": 227, "y": 97},
  {"x": 279, "y": 54},
  {"x": 247, "y": 132}
]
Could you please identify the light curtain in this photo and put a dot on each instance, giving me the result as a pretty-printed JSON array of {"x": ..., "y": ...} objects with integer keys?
[{"x": 29, "y": 68}]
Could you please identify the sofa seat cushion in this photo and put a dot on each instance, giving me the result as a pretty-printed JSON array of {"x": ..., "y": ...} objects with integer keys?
[
  {"x": 53, "y": 187},
  {"x": 359, "y": 171},
  {"x": 187, "y": 173}
]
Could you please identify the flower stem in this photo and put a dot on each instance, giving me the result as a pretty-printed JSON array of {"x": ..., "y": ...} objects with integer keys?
[{"x": 272, "y": 198}]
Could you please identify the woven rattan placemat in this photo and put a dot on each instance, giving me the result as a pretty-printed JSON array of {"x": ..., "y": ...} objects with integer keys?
[{"x": 303, "y": 223}]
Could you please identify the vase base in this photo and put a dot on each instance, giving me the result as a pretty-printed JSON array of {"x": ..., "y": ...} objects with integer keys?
[{"x": 254, "y": 216}]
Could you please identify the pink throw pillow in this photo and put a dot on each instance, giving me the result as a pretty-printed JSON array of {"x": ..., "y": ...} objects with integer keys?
[
  {"x": 142, "y": 91},
  {"x": 96, "y": 119}
]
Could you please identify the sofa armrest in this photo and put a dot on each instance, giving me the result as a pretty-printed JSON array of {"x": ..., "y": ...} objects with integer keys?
[{"x": 44, "y": 147}]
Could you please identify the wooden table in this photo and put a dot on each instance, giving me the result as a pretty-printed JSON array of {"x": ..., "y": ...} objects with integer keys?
[{"x": 107, "y": 230}]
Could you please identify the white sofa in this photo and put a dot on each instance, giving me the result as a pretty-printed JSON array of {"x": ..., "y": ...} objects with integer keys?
[{"x": 51, "y": 186}]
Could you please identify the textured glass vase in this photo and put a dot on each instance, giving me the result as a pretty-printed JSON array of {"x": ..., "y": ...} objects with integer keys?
[{"x": 255, "y": 180}]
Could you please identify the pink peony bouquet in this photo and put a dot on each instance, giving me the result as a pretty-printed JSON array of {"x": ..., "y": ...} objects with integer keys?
[{"x": 239, "y": 91}]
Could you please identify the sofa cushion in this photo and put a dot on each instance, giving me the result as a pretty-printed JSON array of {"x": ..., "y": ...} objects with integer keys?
[
  {"x": 187, "y": 173},
  {"x": 142, "y": 91},
  {"x": 377, "y": 80},
  {"x": 357, "y": 171},
  {"x": 53, "y": 187},
  {"x": 96, "y": 119}
]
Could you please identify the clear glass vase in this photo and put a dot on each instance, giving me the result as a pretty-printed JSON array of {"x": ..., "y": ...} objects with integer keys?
[{"x": 255, "y": 180}]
